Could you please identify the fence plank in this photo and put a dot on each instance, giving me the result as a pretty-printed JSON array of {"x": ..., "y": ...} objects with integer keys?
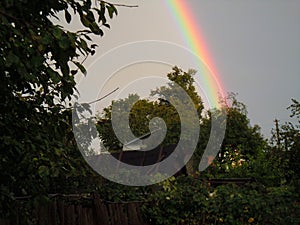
[
  {"x": 42, "y": 213},
  {"x": 53, "y": 212},
  {"x": 111, "y": 214},
  {"x": 134, "y": 220},
  {"x": 61, "y": 212},
  {"x": 79, "y": 214},
  {"x": 139, "y": 213},
  {"x": 70, "y": 212},
  {"x": 102, "y": 215},
  {"x": 123, "y": 214}
]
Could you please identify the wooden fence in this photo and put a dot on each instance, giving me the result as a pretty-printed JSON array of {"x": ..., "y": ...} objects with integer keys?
[{"x": 89, "y": 210}]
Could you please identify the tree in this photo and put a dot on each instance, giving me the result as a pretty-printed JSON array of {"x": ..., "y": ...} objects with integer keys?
[
  {"x": 104, "y": 124},
  {"x": 277, "y": 164},
  {"x": 142, "y": 111},
  {"x": 242, "y": 141},
  {"x": 186, "y": 81},
  {"x": 286, "y": 146},
  {"x": 38, "y": 64},
  {"x": 239, "y": 132}
]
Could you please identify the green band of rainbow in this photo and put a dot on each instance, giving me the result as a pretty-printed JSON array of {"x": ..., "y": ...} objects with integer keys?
[{"x": 190, "y": 30}]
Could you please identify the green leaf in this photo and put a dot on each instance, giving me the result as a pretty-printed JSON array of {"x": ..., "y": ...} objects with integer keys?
[
  {"x": 73, "y": 72},
  {"x": 101, "y": 14},
  {"x": 96, "y": 29},
  {"x": 106, "y": 25},
  {"x": 46, "y": 39},
  {"x": 57, "y": 32},
  {"x": 83, "y": 45},
  {"x": 65, "y": 69},
  {"x": 81, "y": 67},
  {"x": 87, "y": 37},
  {"x": 90, "y": 16},
  {"x": 68, "y": 16},
  {"x": 36, "y": 61},
  {"x": 55, "y": 77},
  {"x": 11, "y": 59},
  {"x": 64, "y": 43},
  {"x": 85, "y": 20},
  {"x": 43, "y": 171},
  {"x": 94, "y": 45},
  {"x": 111, "y": 10}
]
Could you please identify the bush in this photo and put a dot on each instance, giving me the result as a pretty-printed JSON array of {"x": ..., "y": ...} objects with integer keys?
[{"x": 190, "y": 201}]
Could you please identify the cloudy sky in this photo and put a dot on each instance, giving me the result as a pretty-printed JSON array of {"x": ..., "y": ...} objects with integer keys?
[{"x": 255, "y": 47}]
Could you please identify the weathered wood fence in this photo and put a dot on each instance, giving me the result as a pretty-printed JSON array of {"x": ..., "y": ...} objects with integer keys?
[{"x": 89, "y": 210}]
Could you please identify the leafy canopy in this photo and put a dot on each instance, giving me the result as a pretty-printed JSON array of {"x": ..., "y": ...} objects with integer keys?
[
  {"x": 142, "y": 111},
  {"x": 38, "y": 64}
]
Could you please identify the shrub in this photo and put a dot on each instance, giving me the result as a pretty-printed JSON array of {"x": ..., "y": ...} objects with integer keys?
[{"x": 190, "y": 201}]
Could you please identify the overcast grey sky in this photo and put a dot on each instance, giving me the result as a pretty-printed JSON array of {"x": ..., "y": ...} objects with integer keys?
[{"x": 255, "y": 46}]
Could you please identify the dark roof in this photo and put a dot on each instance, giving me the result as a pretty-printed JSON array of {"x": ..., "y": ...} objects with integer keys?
[{"x": 142, "y": 158}]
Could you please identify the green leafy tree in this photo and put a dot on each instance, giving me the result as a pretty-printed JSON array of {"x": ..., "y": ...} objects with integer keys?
[
  {"x": 105, "y": 127},
  {"x": 239, "y": 132},
  {"x": 286, "y": 146},
  {"x": 274, "y": 165},
  {"x": 143, "y": 110},
  {"x": 38, "y": 64},
  {"x": 186, "y": 81},
  {"x": 242, "y": 141}
]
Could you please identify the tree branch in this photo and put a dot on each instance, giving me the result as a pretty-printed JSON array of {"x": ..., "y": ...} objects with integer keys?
[
  {"x": 103, "y": 96},
  {"x": 121, "y": 5}
]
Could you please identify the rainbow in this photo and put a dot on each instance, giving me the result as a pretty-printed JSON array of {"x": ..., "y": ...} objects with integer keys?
[{"x": 192, "y": 35}]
